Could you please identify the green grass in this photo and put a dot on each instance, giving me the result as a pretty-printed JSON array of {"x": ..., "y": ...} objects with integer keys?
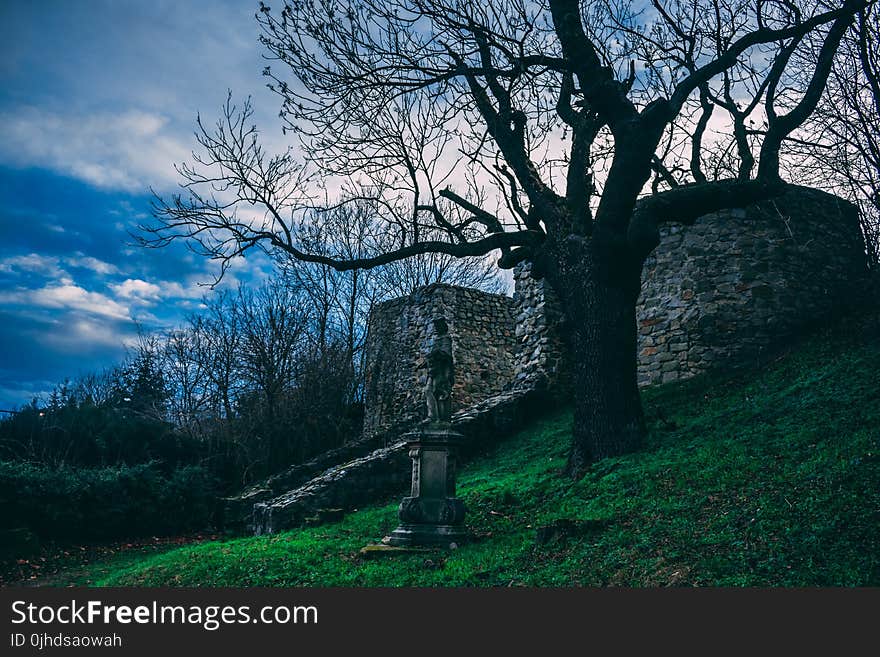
[{"x": 765, "y": 479}]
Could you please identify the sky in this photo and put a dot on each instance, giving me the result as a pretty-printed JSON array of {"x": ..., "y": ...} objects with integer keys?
[{"x": 98, "y": 100}]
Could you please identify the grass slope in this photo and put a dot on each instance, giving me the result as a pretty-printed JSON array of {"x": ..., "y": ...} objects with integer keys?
[{"x": 769, "y": 478}]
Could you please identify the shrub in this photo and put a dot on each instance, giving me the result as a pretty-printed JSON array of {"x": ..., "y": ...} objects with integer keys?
[{"x": 105, "y": 503}]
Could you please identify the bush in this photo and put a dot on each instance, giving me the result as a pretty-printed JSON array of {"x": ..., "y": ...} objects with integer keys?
[{"x": 105, "y": 503}]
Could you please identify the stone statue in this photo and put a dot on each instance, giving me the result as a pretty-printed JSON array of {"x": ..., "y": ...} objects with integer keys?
[
  {"x": 438, "y": 389},
  {"x": 432, "y": 515}
]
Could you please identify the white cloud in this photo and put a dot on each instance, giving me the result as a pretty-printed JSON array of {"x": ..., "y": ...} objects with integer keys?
[
  {"x": 125, "y": 151},
  {"x": 33, "y": 262},
  {"x": 135, "y": 288},
  {"x": 147, "y": 293},
  {"x": 88, "y": 333},
  {"x": 75, "y": 297},
  {"x": 88, "y": 262},
  {"x": 68, "y": 297},
  {"x": 190, "y": 291}
]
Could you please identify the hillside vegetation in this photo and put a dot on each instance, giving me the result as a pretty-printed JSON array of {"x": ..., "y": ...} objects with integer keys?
[{"x": 767, "y": 478}]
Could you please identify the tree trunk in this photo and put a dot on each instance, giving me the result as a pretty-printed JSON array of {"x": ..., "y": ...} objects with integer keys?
[{"x": 598, "y": 284}]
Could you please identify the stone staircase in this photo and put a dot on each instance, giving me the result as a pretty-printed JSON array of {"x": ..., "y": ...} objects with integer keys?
[{"x": 380, "y": 474}]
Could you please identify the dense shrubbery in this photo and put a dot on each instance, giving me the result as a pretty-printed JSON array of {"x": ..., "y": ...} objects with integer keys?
[{"x": 101, "y": 503}]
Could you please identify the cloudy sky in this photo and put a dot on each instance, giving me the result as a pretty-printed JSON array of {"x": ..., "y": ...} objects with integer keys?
[{"x": 98, "y": 100}]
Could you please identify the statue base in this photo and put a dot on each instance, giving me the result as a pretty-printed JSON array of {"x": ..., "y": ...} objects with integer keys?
[
  {"x": 423, "y": 535},
  {"x": 432, "y": 515}
]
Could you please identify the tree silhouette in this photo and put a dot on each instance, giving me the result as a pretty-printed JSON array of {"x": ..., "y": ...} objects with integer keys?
[{"x": 527, "y": 128}]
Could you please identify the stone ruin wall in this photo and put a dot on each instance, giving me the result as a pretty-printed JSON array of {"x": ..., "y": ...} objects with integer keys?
[
  {"x": 539, "y": 353},
  {"x": 726, "y": 291},
  {"x": 482, "y": 329},
  {"x": 739, "y": 284}
]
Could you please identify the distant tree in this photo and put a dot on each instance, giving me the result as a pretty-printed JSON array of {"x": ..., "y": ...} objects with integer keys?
[
  {"x": 526, "y": 128},
  {"x": 141, "y": 385},
  {"x": 272, "y": 330},
  {"x": 186, "y": 376},
  {"x": 339, "y": 302},
  {"x": 218, "y": 347}
]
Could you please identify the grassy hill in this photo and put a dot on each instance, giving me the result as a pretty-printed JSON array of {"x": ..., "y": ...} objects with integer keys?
[{"x": 766, "y": 478}]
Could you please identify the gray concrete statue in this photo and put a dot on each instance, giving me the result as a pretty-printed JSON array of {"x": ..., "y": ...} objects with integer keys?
[{"x": 438, "y": 389}]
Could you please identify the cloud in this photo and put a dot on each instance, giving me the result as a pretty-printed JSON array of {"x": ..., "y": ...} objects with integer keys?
[
  {"x": 50, "y": 266},
  {"x": 67, "y": 297},
  {"x": 84, "y": 138},
  {"x": 93, "y": 264},
  {"x": 47, "y": 266},
  {"x": 130, "y": 150},
  {"x": 18, "y": 396},
  {"x": 147, "y": 293},
  {"x": 77, "y": 298},
  {"x": 85, "y": 333},
  {"x": 136, "y": 289}
]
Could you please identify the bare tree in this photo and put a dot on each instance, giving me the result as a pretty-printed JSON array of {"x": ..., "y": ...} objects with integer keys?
[
  {"x": 272, "y": 328},
  {"x": 187, "y": 377},
  {"x": 838, "y": 148},
  {"x": 272, "y": 325},
  {"x": 526, "y": 128},
  {"x": 218, "y": 344},
  {"x": 95, "y": 388},
  {"x": 339, "y": 302}
]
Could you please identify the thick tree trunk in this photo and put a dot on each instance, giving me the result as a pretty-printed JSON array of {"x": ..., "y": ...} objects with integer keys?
[{"x": 598, "y": 286}]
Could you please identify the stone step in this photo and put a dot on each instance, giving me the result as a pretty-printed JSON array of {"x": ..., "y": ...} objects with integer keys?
[{"x": 385, "y": 472}]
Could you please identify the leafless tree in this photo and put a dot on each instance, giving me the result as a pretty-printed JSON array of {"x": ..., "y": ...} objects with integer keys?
[
  {"x": 218, "y": 347},
  {"x": 186, "y": 374},
  {"x": 526, "y": 128},
  {"x": 272, "y": 326},
  {"x": 272, "y": 329},
  {"x": 95, "y": 388},
  {"x": 839, "y": 146},
  {"x": 339, "y": 302}
]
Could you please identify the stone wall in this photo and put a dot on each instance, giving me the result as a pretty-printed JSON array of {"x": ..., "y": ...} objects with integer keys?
[
  {"x": 539, "y": 358},
  {"x": 386, "y": 472},
  {"x": 738, "y": 284},
  {"x": 726, "y": 291},
  {"x": 507, "y": 355},
  {"x": 482, "y": 329}
]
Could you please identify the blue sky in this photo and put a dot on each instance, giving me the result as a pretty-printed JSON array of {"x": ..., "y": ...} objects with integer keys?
[{"x": 98, "y": 100}]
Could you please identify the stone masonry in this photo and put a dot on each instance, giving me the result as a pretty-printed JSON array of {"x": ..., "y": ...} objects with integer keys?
[
  {"x": 539, "y": 356},
  {"x": 482, "y": 329},
  {"x": 386, "y": 472},
  {"x": 739, "y": 284}
]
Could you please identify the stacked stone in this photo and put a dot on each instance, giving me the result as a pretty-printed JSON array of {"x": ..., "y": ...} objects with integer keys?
[
  {"x": 386, "y": 471},
  {"x": 540, "y": 351},
  {"x": 481, "y": 326},
  {"x": 739, "y": 284}
]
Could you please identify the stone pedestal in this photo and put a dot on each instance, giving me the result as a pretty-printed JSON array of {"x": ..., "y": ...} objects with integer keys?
[{"x": 432, "y": 515}]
